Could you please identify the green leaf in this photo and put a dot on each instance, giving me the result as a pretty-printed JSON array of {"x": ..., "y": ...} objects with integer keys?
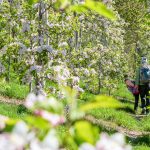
[
  {"x": 42, "y": 126},
  {"x": 85, "y": 132},
  {"x": 37, "y": 122},
  {"x": 78, "y": 8},
  {"x": 62, "y": 4},
  {"x": 98, "y": 7},
  {"x": 10, "y": 124},
  {"x": 76, "y": 114},
  {"x": 69, "y": 93},
  {"x": 31, "y": 2},
  {"x": 101, "y": 102}
]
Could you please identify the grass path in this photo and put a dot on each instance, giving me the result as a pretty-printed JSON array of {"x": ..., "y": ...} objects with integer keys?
[
  {"x": 11, "y": 100},
  {"x": 114, "y": 126}
]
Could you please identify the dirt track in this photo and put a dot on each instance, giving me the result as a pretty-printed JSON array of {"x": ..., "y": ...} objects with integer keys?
[
  {"x": 11, "y": 100},
  {"x": 113, "y": 126}
]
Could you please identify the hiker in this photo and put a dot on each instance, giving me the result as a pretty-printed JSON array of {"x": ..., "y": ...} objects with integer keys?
[
  {"x": 142, "y": 83},
  {"x": 131, "y": 87}
]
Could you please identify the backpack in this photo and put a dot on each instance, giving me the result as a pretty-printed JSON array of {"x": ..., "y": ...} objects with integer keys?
[
  {"x": 145, "y": 74},
  {"x": 133, "y": 90}
]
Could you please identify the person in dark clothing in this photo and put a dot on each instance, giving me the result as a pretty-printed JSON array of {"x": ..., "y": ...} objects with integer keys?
[
  {"x": 144, "y": 92},
  {"x": 142, "y": 83},
  {"x": 131, "y": 87}
]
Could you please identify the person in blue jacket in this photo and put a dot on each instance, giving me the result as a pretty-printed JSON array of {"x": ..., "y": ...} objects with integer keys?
[{"x": 142, "y": 83}]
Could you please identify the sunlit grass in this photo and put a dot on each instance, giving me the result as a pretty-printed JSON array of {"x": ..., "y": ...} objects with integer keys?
[
  {"x": 13, "y": 90},
  {"x": 12, "y": 111},
  {"x": 141, "y": 148},
  {"x": 122, "y": 91},
  {"x": 121, "y": 118}
]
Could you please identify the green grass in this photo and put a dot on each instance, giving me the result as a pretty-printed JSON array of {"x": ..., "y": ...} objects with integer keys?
[
  {"x": 146, "y": 123},
  {"x": 141, "y": 148},
  {"x": 122, "y": 91},
  {"x": 13, "y": 90},
  {"x": 121, "y": 118},
  {"x": 12, "y": 111},
  {"x": 86, "y": 96},
  {"x": 141, "y": 143}
]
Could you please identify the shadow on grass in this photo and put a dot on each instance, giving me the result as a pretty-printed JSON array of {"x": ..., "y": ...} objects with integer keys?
[
  {"x": 22, "y": 109},
  {"x": 145, "y": 140},
  {"x": 127, "y": 109},
  {"x": 124, "y": 100}
]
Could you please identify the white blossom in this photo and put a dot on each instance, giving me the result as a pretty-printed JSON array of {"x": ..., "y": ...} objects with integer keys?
[
  {"x": 86, "y": 72},
  {"x": 119, "y": 138},
  {"x": 19, "y": 134},
  {"x": 64, "y": 52},
  {"x": 57, "y": 68},
  {"x": 54, "y": 119},
  {"x": 81, "y": 17},
  {"x": 48, "y": 48},
  {"x": 36, "y": 5},
  {"x": 22, "y": 49},
  {"x": 51, "y": 25},
  {"x": 63, "y": 44},
  {"x": 5, "y": 142},
  {"x": 25, "y": 25},
  {"x": 34, "y": 37},
  {"x": 2, "y": 68},
  {"x": 20, "y": 129},
  {"x": 53, "y": 103},
  {"x": 60, "y": 95},
  {"x": 107, "y": 1},
  {"x": 30, "y": 60},
  {"x": 27, "y": 78},
  {"x": 75, "y": 80},
  {"x": 36, "y": 68},
  {"x": 77, "y": 88},
  {"x": 50, "y": 142},
  {"x": 3, "y": 120},
  {"x": 117, "y": 142},
  {"x": 93, "y": 72},
  {"x": 87, "y": 146},
  {"x": 68, "y": 18},
  {"x": 1, "y": 1},
  {"x": 30, "y": 100}
]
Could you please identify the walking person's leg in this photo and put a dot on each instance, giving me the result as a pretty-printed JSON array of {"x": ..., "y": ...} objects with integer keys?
[
  {"x": 136, "y": 102},
  {"x": 143, "y": 97},
  {"x": 147, "y": 99}
]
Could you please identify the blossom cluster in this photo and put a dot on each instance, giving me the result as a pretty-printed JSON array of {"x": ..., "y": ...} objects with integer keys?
[
  {"x": 22, "y": 137},
  {"x": 106, "y": 142},
  {"x": 22, "y": 49},
  {"x": 26, "y": 136},
  {"x": 2, "y": 68}
]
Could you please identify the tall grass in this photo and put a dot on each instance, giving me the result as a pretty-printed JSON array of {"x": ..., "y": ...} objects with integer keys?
[
  {"x": 12, "y": 111},
  {"x": 13, "y": 90},
  {"x": 122, "y": 91}
]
